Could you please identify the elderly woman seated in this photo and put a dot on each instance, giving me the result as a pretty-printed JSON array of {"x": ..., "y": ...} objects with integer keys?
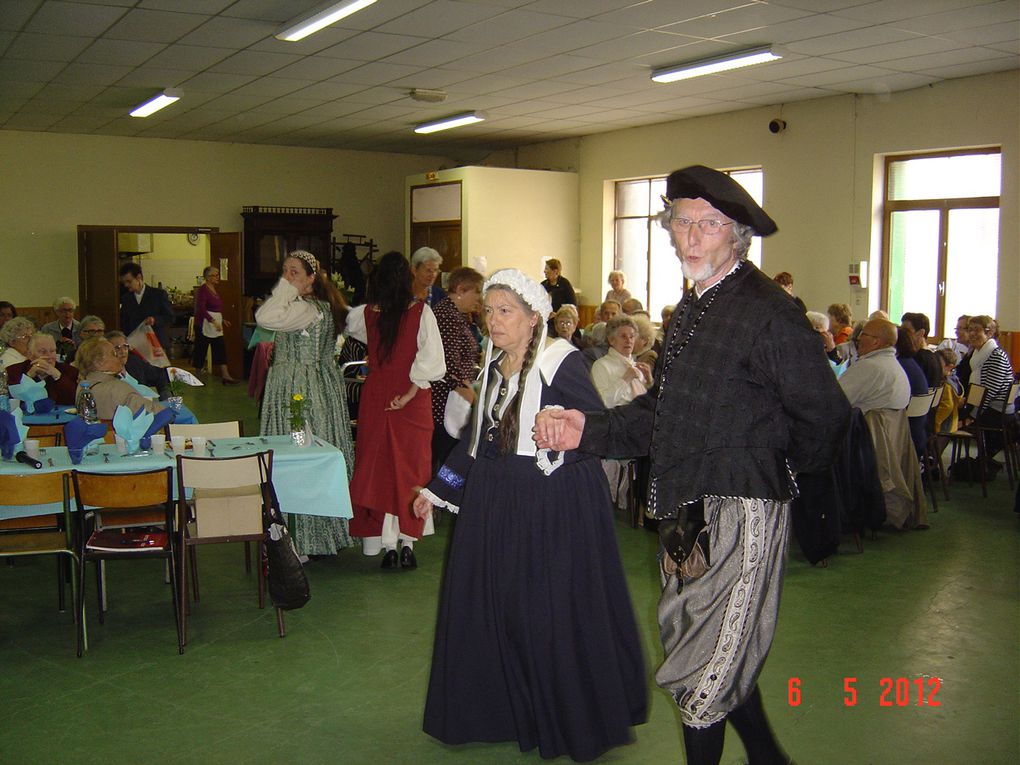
[
  {"x": 619, "y": 380},
  {"x": 61, "y": 379},
  {"x": 100, "y": 366},
  {"x": 140, "y": 370},
  {"x": 565, "y": 322},
  {"x": 14, "y": 337}
]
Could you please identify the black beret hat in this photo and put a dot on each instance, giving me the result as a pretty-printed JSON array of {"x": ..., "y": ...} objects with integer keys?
[{"x": 722, "y": 192}]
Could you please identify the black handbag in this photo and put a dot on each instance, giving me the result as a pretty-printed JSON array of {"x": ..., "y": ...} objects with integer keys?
[{"x": 288, "y": 584}]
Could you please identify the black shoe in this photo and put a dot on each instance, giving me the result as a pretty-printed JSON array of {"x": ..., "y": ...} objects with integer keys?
[
  {"x": 389, "y": 561},
  {"x": 407, "y": 559}
]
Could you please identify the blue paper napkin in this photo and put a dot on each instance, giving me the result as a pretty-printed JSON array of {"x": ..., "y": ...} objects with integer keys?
[
  {"x": 12, "y": 432},
  {"x": 28, "y": 392}
]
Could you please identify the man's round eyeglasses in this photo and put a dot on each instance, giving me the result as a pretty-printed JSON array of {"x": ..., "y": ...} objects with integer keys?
[
  {"x": 92, "y": 331},
  {"x": 122, "y": 348},
  {"x": 708, "y": 226}
]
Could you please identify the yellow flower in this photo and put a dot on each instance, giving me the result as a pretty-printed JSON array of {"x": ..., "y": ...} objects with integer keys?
[{"x": 298, "y": 397}]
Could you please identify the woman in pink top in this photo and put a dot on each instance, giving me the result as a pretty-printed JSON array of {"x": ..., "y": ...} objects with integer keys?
[{"x": 209, "y": 324}]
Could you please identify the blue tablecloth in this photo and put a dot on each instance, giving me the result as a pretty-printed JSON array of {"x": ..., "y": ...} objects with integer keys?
[
  {"x": 60, "y": 416},
  {"x": 309, "y": 480}
]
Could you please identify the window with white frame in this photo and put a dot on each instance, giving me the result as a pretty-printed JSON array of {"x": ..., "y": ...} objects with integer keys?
[
  {"x": 941, "y": 235},
  {"x": 643, "y": 249}
]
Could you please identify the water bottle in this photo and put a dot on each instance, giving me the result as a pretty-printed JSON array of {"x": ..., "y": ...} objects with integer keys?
[{"x": 86, "y": 404}]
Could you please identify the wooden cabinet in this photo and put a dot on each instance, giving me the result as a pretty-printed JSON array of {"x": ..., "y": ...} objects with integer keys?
[{"x": 272, "y": 232}]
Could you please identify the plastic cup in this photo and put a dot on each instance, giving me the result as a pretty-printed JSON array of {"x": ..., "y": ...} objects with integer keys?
[
  {"x": 158, "y": 443},
  {"x": 121, "y": 445},
  {"x": 198, "y": 445},
  {"x": 177, "y": 444},
  {"x": 32, "y": 448}
]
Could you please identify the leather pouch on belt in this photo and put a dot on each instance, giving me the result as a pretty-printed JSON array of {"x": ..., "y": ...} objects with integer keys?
[{"x": 685, "y": 540}]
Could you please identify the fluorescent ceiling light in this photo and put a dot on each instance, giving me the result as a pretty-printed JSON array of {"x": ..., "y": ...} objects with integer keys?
[
  {"x": 714, "y": 65},
  {"x": 153, "y": 105},
  {"x": 457, "y": 120},
  {"x": 312, "y": 24}
]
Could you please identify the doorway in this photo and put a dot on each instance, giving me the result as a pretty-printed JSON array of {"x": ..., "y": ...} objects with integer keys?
[{"x": 171, "y": 258}]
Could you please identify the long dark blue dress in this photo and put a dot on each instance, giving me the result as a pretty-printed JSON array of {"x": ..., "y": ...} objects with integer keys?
[{"x": 536, "y": 640}]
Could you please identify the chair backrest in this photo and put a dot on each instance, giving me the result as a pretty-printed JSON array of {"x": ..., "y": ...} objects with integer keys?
[
  {"x": 975, "y": 396},
  {"x": 920, "y": 405},
  {"x": 228, "y": 429},
  {"x": 122, "y": 490},
  {"x": 33, "y": 489},
  {"x": 47, "y": 435},
  {"x": 352, "y": 365},
  {"x": 222, "y": 472}
]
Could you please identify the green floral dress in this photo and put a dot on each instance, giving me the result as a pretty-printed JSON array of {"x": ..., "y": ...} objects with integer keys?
[{"x": 303, "y": 363}]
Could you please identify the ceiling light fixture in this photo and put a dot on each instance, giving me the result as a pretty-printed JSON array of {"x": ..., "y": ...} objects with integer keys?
[
  {"x": 714, "y": 65},
  {"x": 309, "y": 25},
  {"x": 457, "y": 120},
  {"x": 156, "y": 103}
]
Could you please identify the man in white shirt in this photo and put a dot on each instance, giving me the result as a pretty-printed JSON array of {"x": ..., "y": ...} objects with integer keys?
[{"x": 876, "y": 380}]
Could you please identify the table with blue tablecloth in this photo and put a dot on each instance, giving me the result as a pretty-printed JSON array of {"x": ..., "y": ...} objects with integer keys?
[
  {"x": 309, "y": 480},
  {"x": 60, "y": 415}
]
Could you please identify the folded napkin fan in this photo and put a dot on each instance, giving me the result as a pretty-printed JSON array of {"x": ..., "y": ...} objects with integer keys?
[
  {"x": 12, "y": 432},
  {"x": 132, "y": 427},
  {"x": 839, "y": 369},
  {"x": 78, "y": 434},
  {"x": 32, "y": 394}
]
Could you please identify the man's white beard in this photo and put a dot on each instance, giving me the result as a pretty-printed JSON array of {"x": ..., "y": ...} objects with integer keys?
[{"x": 698, "y": 275}]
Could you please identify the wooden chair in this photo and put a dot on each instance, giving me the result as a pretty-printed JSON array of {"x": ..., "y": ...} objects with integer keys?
[
  {"x": 933, "y": 447},
  {"x": 1007, "y": 432},
  {"x": 921, "y": 406},
  {"x": 48, "y": 534},
  {"x": 121, "y": 503},
  {"x": 47, "y": 435},
  {"x": 228, "y": 506},
  {"x": 961, "y": 438}
]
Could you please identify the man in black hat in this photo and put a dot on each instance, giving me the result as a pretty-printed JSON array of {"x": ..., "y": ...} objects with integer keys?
[{"x": 745, "y": 398}]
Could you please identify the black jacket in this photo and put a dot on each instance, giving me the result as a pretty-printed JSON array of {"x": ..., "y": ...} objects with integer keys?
[
  {"x": 749, "y": 394},
  {"x": 154, "y": 303}
]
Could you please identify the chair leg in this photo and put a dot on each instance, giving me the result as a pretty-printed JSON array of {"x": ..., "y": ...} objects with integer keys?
[
  {"x": 247, "y": 557},
  {"x": 183, "y": 604},
  {"x": 79, "y": 601},
  {"x": 193, "y": 553},
  {"x": 279, "y": 622},
  {"x": 261, "y": 575},
  {"x": 982, "y": 456},
  {"x": 175, "y": 596},
  {"x": 61, "y": 599},
  {"x": 100, "y": 587}
]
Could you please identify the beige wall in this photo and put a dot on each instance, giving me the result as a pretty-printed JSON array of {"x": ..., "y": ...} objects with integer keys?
[
  {"x": 53, "y": 182},
  {"x": 515, "y": 218},
  {"x": 819, "y": 175}
]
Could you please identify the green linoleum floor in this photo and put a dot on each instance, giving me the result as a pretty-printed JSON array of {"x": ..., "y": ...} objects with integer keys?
[{"x": 347, "y": 683}]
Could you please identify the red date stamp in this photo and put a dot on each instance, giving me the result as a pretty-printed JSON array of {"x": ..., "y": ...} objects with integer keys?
[{"x": 892, "y": 692}]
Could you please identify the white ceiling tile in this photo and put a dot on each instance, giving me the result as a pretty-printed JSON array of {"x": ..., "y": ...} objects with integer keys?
[
  {"x": 61, "y": 92},
  {"x": 91, "y": 74},
  {"x": 942, "y": 59},
  {"x": 230, "y": 33},
  {"x": 793, "y": 66},
  {"x": 786, "y": 96},
  {"x": 746, "y": 17},
  {"x": 155, "y": 26},
  {"x": 580, "y": 9},
  {"x": 41, "y": 47},
  {"x": 553, "y": 66},
  {"x": 691, "y": 52},
  {"x": 877, "y": 54},
  {"x": 316, "y": 68},
  {"x": 605, "y": 73},
  {"x": 599, "y": 95},
  {"x": 194, "y": 58},
  {"x": 804, "y": 28},
  {"x": 369, "y": 46},
  {"x": 1002, "y": 64},
  {"x": 372, "y": 96},
  {"x": 962, "y": 18},
  {"x": 254, "y": 62},
  {"x": 657, "y": 13},
  {"x": 55, "y": 17},
  {"x": 435, "y": 52},
  {"x": 886, "y": 11},
  {"x": 376, "y": 73},
  {"x": 328, "y": 91},
  {"x": 496, "y": 60},
  {"x": 885, "y": 84},
  {"x": 216, "y": 82},
  {"x": 22, "y": 90},
  {"x": 186, "y": 6},
  {"x": 386, "y": 112},
  {"x": 123, "y": 52},
  {"x": 272, "y": 10},
  {"x": 155, "y": 77},
  {"x": 820, "y": 6},
  {"x": 537, "y": 89},
  {"x": 334, "y": 109},
  {"x": 509, "y": 27},
  {"x": 17, "y": 13},
  {"x": 22, "y": 121},
  {"x": 984, "y": 35},
  {"x": 849, "y": 40},
  {"x": 438, "y": 18},
  {"x": 284, "y": 105},
  {"x": 836, "y": 76},
  {"x": 635, "y": 44},
  {"x": 320, "y": 41},
  {"x": 1013, "y": 46}
]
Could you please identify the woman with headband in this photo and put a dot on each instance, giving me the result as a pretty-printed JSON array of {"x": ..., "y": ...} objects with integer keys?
[
  {"x": 536, "y": 640},
  {"x": 307, "y": 314}
]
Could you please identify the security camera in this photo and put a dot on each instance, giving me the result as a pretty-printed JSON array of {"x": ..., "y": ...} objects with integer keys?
[{"x": 777, "y": 126}]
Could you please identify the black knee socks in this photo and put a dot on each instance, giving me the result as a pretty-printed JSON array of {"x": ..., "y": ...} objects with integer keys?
[
  {"x": 703, "y": 746},
  {"x": 753, "y": 727}
]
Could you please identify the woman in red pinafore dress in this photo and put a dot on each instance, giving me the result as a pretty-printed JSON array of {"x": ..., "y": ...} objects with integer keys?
[{"x": 393, "y": 447}]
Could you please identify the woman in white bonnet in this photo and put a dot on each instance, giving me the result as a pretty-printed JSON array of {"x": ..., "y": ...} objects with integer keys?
[{"x": 536, "y": 640}]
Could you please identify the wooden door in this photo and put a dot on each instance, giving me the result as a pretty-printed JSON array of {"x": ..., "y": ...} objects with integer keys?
[
  {"x": 98, "y": 286},
  {"x": 225, "y": 254},
  {"x": 442, "y": 236}
]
